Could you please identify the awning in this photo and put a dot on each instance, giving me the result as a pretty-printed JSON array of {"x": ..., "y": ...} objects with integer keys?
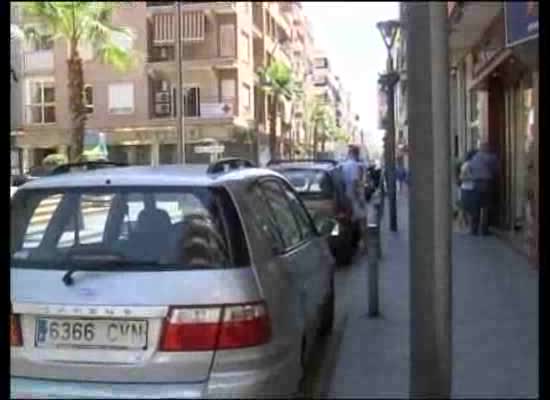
[{"x": 480, "y": 80}]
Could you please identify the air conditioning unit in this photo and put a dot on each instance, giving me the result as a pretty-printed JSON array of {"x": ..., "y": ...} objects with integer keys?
[
  {"x": 162, "y": 97},
  {"x": 162, "y": 109}
]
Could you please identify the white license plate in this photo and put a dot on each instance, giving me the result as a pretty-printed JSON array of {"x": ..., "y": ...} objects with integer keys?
[{"x": 91, "y": 333}]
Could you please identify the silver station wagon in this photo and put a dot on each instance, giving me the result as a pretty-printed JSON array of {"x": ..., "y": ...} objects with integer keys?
[{"x": 165, "y": 282}]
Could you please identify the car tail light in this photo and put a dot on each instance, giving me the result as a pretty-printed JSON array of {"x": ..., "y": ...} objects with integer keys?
[
  {"x": 16, "y": 339},
  {"x": 211, "y": 328},
  {"x": 244, "y": 326}
]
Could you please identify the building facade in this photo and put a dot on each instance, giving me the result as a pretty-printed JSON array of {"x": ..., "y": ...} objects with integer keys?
[
  {"x": 224, "y": 44},
  {"x": 494, "y": 99}
]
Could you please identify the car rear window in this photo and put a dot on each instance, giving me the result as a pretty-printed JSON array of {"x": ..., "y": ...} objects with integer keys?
[
  {"x": 126, "y": 228},
  {"x": 309, "y": 181}
]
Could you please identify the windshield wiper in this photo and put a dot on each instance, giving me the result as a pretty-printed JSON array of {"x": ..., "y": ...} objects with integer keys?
[{"x": 120, "y": 264}]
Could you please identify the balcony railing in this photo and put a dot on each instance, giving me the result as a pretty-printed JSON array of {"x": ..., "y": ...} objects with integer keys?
[
  {"x": 39, "y": 61},
  {"x": 206, "y": 108}
]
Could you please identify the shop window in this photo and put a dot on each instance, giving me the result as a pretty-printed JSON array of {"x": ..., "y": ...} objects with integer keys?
[{"x": 167, "y": 154}]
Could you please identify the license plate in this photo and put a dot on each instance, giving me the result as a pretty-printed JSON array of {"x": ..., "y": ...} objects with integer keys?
[{"x": 91, "y": 333}]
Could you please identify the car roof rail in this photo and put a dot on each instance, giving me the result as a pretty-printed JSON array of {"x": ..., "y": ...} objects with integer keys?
[
  {"x": 229, "y": 164},
  {"x": 303, "y": 160},
  {"x": 88, "y": 165}
]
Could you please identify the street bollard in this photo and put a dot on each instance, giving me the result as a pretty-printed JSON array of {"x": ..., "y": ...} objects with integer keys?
[
  {"x": 373, "y": 245},
  {"x": 378, "y": 206}
]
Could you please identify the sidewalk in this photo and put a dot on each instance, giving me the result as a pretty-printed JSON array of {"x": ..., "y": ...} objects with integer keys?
[{"x": 495, "y": 322}]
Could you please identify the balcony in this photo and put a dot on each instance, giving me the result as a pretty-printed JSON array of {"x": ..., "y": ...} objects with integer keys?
[
  {"x": 38, "y": 61},
  {"x": 207, "y": 109},
  {"x": 217, "y": 7}
]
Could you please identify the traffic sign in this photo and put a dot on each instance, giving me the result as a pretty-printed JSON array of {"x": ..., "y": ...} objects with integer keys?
[{"x": 209, "y": 149}]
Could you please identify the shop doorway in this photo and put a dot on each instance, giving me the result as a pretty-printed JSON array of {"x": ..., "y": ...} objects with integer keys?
[{"x": 497, "y": 138}]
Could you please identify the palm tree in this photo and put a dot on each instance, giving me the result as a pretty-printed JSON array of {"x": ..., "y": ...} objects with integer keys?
[
  {"x": 278, "y": 82},
  {"x": 81, "y": 23}
]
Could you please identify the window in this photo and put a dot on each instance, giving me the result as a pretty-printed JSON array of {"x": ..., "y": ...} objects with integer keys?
[
  {"x": 121, "y": 98},
  {"x": 286, "y": 222},
  {"x": 123, "y": 40},
  {"x": 192, "y": 101},
  {"x": 262, "y": 218},
  {"x": 145, "y": 227},
  {"x": 301, "y": 214},
  {"x": 246, "y": 97},
  {"x": 87, "y": 224},
  {"x": 40, "y": 101},
  {"x": 246, "y": 46},
  {"x": 40, "y": 43},
  {"x": 89, "y": 98},
  {"x": 474, "y": 106},
  {"x": 227, "y": 40}
]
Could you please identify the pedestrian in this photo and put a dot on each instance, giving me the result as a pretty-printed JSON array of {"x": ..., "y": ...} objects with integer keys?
[
  {"x": 399, "y": 176},
  {"x": 467, "y": 194},
  {"x": 484, "y": 168},
  {"x": 354, "y": 188}
]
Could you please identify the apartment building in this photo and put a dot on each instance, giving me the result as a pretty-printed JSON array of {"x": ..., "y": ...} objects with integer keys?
[
  {"x": 494, "y": 98},
  {"x": 327, "y": 87},
  {"x": 223, "y": 43},
  {"x": 15, "y": 94},
  {"x": 301, "y": 46}
]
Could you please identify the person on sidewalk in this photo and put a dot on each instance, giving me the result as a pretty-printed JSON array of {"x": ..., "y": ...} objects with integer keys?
[
  {"x": 484, "y": 168},
  {"x": 354, "y": 187},
  {"x": 467, "y": 200}
]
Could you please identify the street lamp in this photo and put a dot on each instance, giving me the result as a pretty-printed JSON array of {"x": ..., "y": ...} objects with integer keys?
[
  {"x": 388, "y": 80},
  {"x": 180, "y": 109}
]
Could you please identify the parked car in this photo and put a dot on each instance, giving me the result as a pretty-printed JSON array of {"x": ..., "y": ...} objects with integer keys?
[
  {"x": 321, "y": 187},
  {"x": 181, "y": 281}
]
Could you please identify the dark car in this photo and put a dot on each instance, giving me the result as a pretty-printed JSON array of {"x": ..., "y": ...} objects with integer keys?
[{"x": 320, "y": 186}]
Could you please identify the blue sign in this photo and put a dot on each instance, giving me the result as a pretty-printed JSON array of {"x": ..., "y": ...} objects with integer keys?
[{"x": 522, "y": 21}]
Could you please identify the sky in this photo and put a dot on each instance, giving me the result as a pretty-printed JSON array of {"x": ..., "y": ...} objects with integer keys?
[{"x": 347, "y": 32}]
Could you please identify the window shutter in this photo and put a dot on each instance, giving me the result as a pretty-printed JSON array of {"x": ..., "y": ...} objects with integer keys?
[
  {"x": 227, "y": 40},
  {"x": 121, "y": 98}
]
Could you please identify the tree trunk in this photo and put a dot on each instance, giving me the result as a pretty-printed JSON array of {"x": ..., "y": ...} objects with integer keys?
[
  {"x": 315, "y": 138},
  {"x": 323, "y": 142},
  {"x": 76, "y": 104},
  {"x": 273, "y": 128}
]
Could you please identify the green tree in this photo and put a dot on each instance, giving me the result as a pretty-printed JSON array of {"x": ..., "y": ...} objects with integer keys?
[
  {"x": 322, "y": 122},
  {"x": 277, "y": 81},
  {"x": 81, "y": 23}
]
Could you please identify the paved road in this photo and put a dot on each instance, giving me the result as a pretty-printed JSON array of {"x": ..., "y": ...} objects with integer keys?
[{"x": 495, "y": 324}]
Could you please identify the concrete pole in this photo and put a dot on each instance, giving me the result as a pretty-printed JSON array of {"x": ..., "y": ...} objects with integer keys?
[
  {"x": 430, "y": 194},
  {"x": 390, "y": 133},
  {"x": 180, "y": 128}
]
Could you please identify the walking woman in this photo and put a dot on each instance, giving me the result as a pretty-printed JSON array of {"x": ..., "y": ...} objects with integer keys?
[{"x": 468, "y": 194}]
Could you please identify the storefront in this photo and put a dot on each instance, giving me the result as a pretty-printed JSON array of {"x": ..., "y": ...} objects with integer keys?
[
  {"x": 522, "y": 22},
  {"x": 503, "y": 85}
]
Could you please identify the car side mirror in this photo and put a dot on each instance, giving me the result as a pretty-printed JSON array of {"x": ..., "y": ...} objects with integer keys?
[{"x": 325, "y": 226}]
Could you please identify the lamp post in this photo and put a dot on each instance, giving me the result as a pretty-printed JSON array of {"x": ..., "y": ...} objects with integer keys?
[
  {"x": 180, "y": 110},
  {"x": 388, "y": 80}
]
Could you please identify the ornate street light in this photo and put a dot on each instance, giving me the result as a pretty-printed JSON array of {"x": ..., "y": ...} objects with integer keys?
[{"x": 388, "y": 80}]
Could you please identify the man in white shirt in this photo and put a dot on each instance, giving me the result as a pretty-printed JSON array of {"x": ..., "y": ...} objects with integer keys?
[{"x": 353, "y": 174}]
